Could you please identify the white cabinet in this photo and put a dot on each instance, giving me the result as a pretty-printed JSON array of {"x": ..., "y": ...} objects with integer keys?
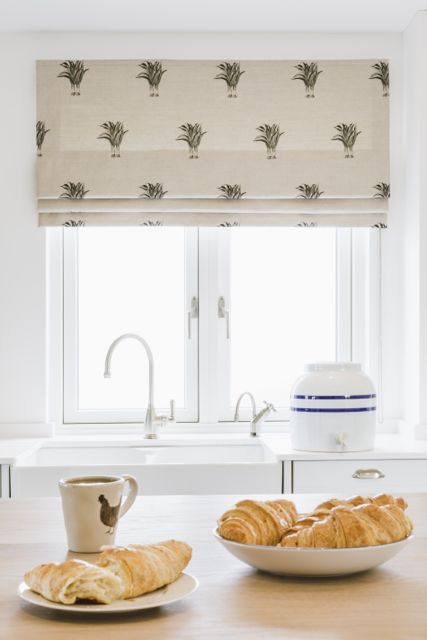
[{"x": 359, "y": 476}]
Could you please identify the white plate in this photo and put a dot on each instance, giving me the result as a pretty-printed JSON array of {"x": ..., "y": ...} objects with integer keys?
[
  {"x": 182, "y": 587},
  {"x": 299, "y": 561}
]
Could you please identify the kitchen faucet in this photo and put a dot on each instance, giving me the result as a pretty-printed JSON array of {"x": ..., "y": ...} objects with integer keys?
[
  {"x": 151, "y": 419},
  {"x": 257, "y": 418},
  {"x": 260, "y": 417}
]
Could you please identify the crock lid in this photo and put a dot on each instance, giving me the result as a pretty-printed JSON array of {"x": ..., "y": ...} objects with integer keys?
[{"x": 333, "y": 366}]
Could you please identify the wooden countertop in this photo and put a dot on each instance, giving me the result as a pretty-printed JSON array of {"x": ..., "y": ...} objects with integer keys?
[{"x": 233, "y": 600}]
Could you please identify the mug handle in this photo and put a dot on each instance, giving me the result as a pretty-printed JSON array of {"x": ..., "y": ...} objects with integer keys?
[{"x": 130, "y": 498}]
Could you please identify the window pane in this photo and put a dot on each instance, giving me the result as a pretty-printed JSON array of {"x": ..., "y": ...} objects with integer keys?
[
  {"x": 131, "y": 281},
  {"x": 283, "y": 307}
]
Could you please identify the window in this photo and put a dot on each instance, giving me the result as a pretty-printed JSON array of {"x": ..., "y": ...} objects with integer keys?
[
  {"x": 224, "y": 311},
  {"x": 118, "y": 281},
  {"x": 282, "y": 293}
]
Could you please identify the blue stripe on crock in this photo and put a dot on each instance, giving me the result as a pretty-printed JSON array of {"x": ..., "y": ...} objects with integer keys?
[
  {"x": 334, "y": 410},
  {"x": 309, "y": 397}
]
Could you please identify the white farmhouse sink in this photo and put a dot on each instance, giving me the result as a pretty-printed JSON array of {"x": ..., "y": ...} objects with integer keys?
[
  {"x": 185, "y": 454},
  {"x": 159, "y": 469},
  {"x": 76, "y": 456},
  {"x": 212, "y": 454}
]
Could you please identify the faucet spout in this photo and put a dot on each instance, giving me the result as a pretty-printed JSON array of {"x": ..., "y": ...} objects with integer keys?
[
  {"x": 260, "y": 417},
  {"x": 239, "y": 399},
  {"x": 151, "y": 419}
]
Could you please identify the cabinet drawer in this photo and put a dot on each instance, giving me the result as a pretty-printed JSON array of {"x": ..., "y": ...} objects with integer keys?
[{"x": 337, "y": 476}]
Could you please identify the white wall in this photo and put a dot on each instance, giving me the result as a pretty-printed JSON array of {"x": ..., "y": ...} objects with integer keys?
[{"x": 23, "y": 292}]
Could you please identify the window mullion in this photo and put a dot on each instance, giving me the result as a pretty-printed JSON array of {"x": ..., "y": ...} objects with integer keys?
[
  {"x": 224, "y": 336},
  {"x": 360, "y": 294},
  {"x": 372, "y": 302},
  {"x": 367, "y": 304},
  {"x": 70, "y": 240},
  {"x": 208, "y": 326},
  {"x": 192, "y": 324},
  {"x": 344, "y": 298}
]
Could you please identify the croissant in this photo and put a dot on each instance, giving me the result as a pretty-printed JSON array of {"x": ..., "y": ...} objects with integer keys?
[
  {"x": 252, "y": 522},
  {"x": 345, "y": 526},
  {"x": 381, "y": 499},
  {"x": 145, "y": 568},
  {"x": 324, "y": 508},
  {"x": 73, "y": 580}
]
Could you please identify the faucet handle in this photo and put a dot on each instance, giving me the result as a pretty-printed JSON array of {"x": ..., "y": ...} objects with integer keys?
[
  {"x": 270, "y": 406},
  {"x": 171, "y": 417},
  {"x": 163, "y": 420}
]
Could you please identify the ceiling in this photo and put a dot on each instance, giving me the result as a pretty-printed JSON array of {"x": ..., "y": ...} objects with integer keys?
[{"x": 207, "y": 15}]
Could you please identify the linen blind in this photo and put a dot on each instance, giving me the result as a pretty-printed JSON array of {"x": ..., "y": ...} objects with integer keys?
[{"x": 217, "y": 143}]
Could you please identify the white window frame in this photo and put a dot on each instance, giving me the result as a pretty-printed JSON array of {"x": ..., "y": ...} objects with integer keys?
[
  {"x": 72, "y": 413},
  {"x": 358, "y": 325}
]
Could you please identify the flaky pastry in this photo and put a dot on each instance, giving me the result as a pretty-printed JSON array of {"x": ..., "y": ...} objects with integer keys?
[
  {"x": 145, "y": 568},
  {"x": 73, "y": 580}
]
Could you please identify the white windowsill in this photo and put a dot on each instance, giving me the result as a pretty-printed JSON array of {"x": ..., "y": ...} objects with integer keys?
[{"x": 389, "y": 426}]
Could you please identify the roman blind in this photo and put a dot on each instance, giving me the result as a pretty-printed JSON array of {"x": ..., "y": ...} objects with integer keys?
[{"x": 213, "y": 142}]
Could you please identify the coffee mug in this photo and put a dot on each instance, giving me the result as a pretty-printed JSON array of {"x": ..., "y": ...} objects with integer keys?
[{"x": 92, "y": 506}]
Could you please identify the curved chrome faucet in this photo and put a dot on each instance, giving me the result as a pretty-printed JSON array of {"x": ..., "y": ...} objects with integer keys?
[
  {"x": 239, "y": 399},
  {"x": 151, "y": 419}
]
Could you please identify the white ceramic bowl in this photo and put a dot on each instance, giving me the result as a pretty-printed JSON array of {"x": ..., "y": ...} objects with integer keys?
[{"x": 312, "y": 562}]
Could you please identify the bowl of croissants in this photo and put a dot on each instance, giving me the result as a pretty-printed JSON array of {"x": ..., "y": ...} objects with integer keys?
[{"x": 338, "y": 537}]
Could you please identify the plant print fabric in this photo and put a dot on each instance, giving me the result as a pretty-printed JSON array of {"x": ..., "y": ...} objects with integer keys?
[{"x": 213, "y": 142}]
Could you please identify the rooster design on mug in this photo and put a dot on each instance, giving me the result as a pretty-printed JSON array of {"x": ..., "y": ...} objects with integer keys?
[{"x": 109, "y": 515}]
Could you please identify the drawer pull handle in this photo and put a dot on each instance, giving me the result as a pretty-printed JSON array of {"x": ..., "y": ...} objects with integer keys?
[{"x": 368, "y": 474}]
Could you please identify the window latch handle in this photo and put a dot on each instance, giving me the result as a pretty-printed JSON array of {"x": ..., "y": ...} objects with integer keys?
[
  {"x": 223, "y": 312},
  {"x": 192, "y": 313}
]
